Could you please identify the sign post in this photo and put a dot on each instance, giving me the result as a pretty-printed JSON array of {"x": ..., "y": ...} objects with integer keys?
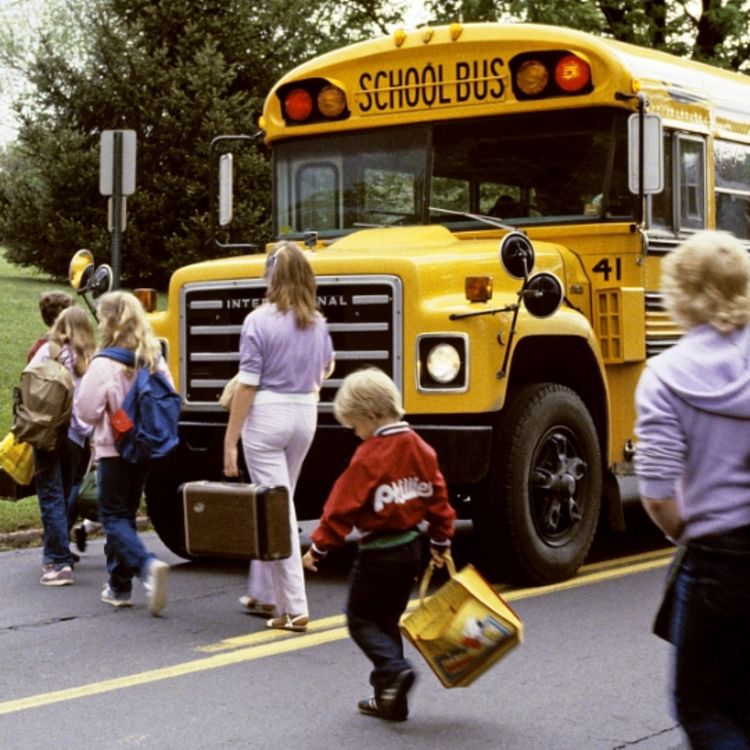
[{"x": 117, "y": 180}]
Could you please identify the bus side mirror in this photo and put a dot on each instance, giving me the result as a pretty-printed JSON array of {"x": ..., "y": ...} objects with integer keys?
[
  {"x": 542, "y": 295},
  {"x": 226, "y": 189},
  {"x": 645, "y": 175},
  {"x": 81, "y": 269},
  {"x": 517, "y": 255}
]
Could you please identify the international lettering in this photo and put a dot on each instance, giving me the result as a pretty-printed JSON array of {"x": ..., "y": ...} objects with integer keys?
[
  {"x": 432, "y": 85},
  {"x": 332, "y": 300},
  {"x": 250, "y": 303},
  {"x": 244, "y": 303}
]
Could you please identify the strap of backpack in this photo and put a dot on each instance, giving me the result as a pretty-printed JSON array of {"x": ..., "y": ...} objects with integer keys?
[
  {"x": 54, "y": 350},
  {"x": 119, "y": 354}
]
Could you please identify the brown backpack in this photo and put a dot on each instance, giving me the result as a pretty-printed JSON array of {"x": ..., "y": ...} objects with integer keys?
[{"x": 43, "y": 403}]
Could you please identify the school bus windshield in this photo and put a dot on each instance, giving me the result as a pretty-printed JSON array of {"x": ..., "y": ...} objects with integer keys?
[{"x": 543, "y": 167}]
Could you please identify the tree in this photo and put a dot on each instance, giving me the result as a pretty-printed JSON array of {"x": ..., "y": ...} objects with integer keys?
[
  {"x": 713, "y": 31},
  {"x": 178, "y": 73}
]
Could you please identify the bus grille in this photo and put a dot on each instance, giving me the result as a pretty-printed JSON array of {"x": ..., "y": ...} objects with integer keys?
[
  {"x": 661, "y": 331},
  {"x": 364, "y": 316}
]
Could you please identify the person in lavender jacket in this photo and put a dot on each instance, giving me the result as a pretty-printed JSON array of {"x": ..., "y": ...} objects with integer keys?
[
  {"x": 285, "y": 353},
  {"x": 693, "y": 466}
]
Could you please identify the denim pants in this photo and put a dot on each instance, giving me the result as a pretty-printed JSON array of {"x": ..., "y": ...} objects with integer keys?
[
  {"x": 710, "y": 629},
  {"x": 79, "y": 461},
  {"x": 120, "y": 486},
  {"x": 52, "y": 476},
  {"x": 380, "y": 585}
]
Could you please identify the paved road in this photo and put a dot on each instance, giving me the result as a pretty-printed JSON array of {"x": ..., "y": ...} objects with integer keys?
[{"x": 79, "y": 674}]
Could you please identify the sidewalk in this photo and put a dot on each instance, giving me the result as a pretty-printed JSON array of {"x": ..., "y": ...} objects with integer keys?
[{"x": 34, "y": 537}]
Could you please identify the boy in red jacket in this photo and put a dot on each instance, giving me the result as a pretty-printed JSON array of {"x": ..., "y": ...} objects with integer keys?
[{"x": 391, "y": 485}]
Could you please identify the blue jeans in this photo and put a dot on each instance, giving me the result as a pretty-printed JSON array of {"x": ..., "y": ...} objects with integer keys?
[
  {"x": 53, "y": 478},
  {"x": 380, "y": 585},
  {"x": 79, "y": 461},
  {"x": 710, "y": 629},
  {"x": 120, "y": 486}
]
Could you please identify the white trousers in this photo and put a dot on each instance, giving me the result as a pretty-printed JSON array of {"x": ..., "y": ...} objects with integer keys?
[{"x": 275, "y": 440}]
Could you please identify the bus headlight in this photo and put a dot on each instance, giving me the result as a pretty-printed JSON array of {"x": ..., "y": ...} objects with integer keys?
[{"x": 442, "y": 362}]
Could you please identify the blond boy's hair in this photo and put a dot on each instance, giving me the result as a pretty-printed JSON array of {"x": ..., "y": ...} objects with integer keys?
[
  {"x": 367, "y": 393},
  {"x": 707, "y": 280}
]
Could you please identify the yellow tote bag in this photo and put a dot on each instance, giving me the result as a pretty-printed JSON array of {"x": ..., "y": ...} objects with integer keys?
[
  {"x": 227, "y": 394},
  {"x": 463, "y": 628},
  {"x": 17, "y": 459}
]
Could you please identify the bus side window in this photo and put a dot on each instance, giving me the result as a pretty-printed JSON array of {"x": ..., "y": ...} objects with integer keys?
[
  {"x": 691, "y": 176},
  {"x": 662, "y": 204},
  {"x": 733, "y": 188}
]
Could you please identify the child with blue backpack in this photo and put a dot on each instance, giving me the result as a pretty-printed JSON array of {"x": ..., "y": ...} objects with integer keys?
[{"x": 103, "y": 391}]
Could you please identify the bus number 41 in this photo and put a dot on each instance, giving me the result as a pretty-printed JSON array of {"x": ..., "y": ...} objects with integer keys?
[{"x": 603, "y": 267}]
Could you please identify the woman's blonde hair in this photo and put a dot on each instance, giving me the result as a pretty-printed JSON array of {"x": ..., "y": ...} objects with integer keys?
[
  {"x": 707, "y": 280},
  {"x": 123, "y": 322},
  {"x": 291, "y": 283},
  {"x": 73, "y": 327},
  {"x": 367, "y": 393}
]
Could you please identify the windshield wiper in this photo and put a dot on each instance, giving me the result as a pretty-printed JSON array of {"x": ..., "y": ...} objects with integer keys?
[{"x": 493, "y": 222}]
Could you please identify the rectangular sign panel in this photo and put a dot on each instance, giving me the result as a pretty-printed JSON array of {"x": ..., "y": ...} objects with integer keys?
[{"x": 107, "y": 162}]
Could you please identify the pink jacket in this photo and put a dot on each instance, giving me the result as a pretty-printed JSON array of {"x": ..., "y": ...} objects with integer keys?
[{"x": 102, "y": 391}]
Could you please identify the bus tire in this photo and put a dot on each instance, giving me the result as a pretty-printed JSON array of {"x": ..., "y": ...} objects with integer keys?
[
  {"x": 547, "y": 485},
  {"x": 164, "y": 505}
]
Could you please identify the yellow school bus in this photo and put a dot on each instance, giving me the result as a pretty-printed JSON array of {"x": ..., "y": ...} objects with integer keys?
[{"x": 485, "y": 207}]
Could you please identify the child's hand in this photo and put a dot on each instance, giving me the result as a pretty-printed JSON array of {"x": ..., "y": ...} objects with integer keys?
[
  {"x": 308, "y": 561},
  {"x": 437, "y": 557}
]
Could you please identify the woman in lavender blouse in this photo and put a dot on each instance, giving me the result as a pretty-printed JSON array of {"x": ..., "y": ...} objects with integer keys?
[{"x": 285, "y": 353}]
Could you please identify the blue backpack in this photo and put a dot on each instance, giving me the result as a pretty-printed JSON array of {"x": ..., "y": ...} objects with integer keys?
[{"x": 153, "y": 408}]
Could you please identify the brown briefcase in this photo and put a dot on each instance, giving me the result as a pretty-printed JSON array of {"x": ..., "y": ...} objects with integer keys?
[{"x": 235, "y": 520}]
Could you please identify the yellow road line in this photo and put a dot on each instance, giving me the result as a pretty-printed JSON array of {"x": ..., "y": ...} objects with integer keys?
[
  {"x": 325, "y": 630},
  {"x": 588, "y": 574},
  {"x": 585, "y": 580},
  {"x": 178, "y": 670}
]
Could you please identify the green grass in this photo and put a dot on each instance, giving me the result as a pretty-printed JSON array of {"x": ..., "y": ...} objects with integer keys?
[{"x": 21, "y": 326}]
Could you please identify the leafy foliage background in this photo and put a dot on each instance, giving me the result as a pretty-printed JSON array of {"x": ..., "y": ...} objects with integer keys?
[{"x": 180, "y": 72}]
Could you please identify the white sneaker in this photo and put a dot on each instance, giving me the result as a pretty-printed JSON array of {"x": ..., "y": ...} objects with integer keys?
[
  {"x": 155, "y": 583},
  {"x": 56, "y": 575},
  {"x": 116, "y": 600}
]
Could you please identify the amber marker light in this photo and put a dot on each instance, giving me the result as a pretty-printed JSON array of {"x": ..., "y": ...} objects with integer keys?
[
  {"x": 298, "y": 105},
  {"x": 572, "y": 73},
  {"x": 478, "y": 288},
  {"x": 532, "y": 77},
  {"x": 147, "y": 298},
  {"x": 331, "y": 101}
]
